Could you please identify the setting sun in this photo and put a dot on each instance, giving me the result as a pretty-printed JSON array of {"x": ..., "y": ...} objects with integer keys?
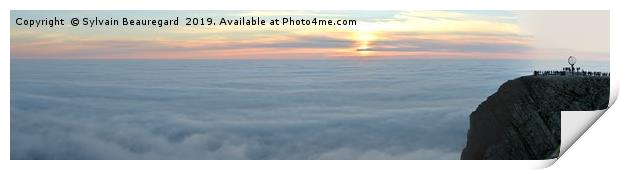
[{"x": 363, "y": 39}]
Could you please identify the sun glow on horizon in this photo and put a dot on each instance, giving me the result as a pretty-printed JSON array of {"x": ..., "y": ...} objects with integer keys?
[{"x": 363, "y": 39}]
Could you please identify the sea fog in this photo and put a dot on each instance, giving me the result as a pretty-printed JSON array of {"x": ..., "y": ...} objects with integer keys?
[{"x": 249, "y": 109}]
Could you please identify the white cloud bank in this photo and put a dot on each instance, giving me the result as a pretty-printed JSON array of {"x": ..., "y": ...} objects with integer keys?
[{"x": 247, "y": 109}]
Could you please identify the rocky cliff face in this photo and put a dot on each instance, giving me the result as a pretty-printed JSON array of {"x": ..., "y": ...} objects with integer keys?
[{"x": 522, "y": 119}]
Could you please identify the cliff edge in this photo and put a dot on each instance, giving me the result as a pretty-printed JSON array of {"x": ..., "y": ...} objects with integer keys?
[{"x": 522, "y": 119}]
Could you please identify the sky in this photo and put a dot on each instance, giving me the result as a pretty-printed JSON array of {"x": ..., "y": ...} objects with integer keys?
[{"x": 528, "y": 35}]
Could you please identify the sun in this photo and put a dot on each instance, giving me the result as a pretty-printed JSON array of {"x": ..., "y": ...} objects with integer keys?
[
  {"x": 365, "y": 36},
  {"x": 363, "y": 40}
]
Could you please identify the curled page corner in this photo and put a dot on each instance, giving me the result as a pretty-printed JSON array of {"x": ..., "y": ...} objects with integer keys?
[{"x": 574, "y": 124}]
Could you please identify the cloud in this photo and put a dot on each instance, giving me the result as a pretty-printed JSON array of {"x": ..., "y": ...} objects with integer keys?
[
  {"x": 239, "y": 110},
  {"x": 70, "y": 47},
  {"x": 393, "y": 31},
  {"x": 438, "y": 46},
  {"x": 277, "y": 47},
  {"x": 396, "y": 34}
]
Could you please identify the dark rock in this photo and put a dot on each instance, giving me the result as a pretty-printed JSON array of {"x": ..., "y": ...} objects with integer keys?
[{"x": 522, "y": 119}]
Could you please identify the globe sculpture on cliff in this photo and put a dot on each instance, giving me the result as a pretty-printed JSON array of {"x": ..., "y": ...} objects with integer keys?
[
  {"x": 570, "y": 71},
  {"x": 572, "y": 60}
]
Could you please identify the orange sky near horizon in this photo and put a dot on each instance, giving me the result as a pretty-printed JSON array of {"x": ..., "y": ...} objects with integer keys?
[{"x": 526, "y": 35}]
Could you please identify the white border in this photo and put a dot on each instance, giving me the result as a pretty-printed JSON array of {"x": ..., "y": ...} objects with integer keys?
[{"x": 595, "y": 149}]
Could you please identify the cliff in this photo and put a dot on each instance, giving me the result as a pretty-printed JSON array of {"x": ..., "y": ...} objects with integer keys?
[{"x": 522, "y": 119}]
